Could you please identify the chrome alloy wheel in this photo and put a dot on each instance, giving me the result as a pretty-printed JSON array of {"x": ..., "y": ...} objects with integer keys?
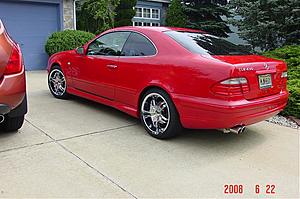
[
  {"x": 57, "y": 82},
  {"x": 155, "y": 113}
]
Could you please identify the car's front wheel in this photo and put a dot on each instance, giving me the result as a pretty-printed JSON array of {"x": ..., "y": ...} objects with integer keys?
[
  {"x": 159, "y": 115},
  {"x": 10, "y": 124},
  {"x": 57, "y": 83}
]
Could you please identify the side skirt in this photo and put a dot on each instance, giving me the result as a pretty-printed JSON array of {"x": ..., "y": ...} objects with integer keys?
[{"x": 122, "y": 107}]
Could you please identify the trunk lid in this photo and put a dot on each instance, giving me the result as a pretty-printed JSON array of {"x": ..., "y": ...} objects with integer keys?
[
  {"x": 5, "y": 49},
  {"x": 263, "y": 74}
]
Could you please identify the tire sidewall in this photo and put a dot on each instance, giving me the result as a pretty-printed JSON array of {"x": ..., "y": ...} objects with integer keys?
[
  {"x": 65, "y": 95},
  {"x": 174, "y": 126}
]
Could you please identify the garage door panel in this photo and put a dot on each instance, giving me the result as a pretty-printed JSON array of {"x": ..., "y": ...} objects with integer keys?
[
  {"x": 31, "y": 9},
  {"x": 30, "y": 24},
  {"x": 39, "y": 60}
]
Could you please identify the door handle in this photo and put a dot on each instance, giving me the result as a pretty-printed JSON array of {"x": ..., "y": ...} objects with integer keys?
[{"x": 112, "y": 66}]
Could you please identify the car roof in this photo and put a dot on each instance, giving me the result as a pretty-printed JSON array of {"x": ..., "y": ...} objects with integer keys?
[{"x": 157, "y": 29}]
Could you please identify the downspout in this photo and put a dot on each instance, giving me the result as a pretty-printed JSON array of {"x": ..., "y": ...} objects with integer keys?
[{"x": 74, "y": 14}]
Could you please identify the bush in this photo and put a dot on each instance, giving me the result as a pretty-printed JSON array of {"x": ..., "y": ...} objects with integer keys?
[
  {"x": 66, "y": 40},
  {"x": 291, "y": 55}
]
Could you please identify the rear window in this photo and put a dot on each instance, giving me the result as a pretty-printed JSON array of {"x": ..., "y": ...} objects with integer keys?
[{"x": 206, "y": 44}]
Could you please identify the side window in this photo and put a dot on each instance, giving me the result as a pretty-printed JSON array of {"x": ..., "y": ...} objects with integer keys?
[
  {"x": 109, "y": 44},
  {"x": 138, "y": 45}
]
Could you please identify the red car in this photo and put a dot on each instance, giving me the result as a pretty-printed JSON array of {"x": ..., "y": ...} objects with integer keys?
[
  {"x": 13, "y": 103},
  {"x": 172, "y": 78}
]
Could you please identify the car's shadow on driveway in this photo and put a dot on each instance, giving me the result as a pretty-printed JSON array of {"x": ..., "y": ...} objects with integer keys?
[
  {"x": 216, "y": 142},
  {"x": 210, "y": 139},
  {"x": 5, "y": 134},
  {"x": 102, "y": 108}
]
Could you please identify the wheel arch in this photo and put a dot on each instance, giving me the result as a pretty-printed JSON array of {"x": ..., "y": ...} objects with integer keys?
[{"x": 54, "y": 63}]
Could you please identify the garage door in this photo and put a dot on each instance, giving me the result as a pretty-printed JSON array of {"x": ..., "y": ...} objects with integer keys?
[{"x": 30, "y": 24}]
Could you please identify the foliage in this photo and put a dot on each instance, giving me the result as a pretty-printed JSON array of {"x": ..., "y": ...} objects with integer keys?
[
  {"x": 291, "y": 55},
  {"x": 175, "y": 15},
  {"x": 268, "y": 24},
  {"x": 208, "y": 15},
  {"x": 97, "y": 15},
  {"x": 66, "y": 40},
  {"x": 125, "y": 13}
]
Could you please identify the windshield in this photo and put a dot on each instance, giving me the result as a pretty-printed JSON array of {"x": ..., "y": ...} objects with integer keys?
[{"x": 206, "y": 44}]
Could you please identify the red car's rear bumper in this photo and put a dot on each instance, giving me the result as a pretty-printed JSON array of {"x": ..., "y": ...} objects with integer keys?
[
  {"x": 201, "y": 113},
  {"x": 12, "y": 91}
]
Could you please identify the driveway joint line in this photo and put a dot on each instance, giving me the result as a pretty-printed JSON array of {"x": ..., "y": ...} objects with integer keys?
[
  {"x": 26, "y": 146},
  {"x": 41, "y": 130},
  {"x": 86, "y": 163},
  {"x": 96, "y": 132},
  {"x": 99, "y": 172}
]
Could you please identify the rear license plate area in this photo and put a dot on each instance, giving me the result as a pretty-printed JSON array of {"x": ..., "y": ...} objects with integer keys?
[{"x": 265, "y": 81}]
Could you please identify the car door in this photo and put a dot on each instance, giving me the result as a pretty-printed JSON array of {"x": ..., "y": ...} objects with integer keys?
[
  {"x": 135, "y": 66},
  {"x": 96, "y": 72}
]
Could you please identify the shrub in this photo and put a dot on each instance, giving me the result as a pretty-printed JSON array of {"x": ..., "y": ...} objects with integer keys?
[
  {"x": 291, "y": 55},
  {"x": 66, "y": 40}
]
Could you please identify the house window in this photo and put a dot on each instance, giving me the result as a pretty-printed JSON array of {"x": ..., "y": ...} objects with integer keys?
[
  {"x": 147, "y": 13},
  {"x": 139, "y": 12},
  {"x": 137, "y": 23},
  {"x": 155, "y": 14}
]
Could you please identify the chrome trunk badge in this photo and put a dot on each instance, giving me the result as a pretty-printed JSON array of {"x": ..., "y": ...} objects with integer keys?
[
  {"x": 267, "y": 67},
  {"x": 246, "y": 69}
]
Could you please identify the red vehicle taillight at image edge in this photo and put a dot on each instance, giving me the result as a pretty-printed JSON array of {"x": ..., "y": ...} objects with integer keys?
[
  {"x": 14, "y": 64},
  {"x": 231, "y": 87},
  {"x": 284, "y": 77}
]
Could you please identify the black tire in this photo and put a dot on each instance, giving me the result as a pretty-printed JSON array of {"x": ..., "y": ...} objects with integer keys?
[
  {"x": 174, "y": 126},
  {"x": 63, "y": 94},
  {"x": 11, "y": 124}
]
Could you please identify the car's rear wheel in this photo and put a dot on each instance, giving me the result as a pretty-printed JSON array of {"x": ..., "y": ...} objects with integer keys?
[
  {"x": 11, "y": 123},
  {"x": 57, "y": 83},
  {"x": 159, "y": 115}
]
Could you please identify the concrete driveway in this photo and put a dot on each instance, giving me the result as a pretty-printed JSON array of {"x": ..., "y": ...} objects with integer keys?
[{"x": 77, "y": 148}]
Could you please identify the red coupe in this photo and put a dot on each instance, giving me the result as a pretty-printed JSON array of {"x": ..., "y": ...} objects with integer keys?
[{"x": 172, "y": 78}]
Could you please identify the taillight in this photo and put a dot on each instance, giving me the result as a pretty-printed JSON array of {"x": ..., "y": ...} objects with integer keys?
[
  {"x": 284, "y": 76},
  {"x": 14, "y": 64},
  {"x": 231, "y": 87}
]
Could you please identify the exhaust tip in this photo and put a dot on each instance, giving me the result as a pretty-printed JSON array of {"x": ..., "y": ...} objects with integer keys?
[
  {"x": 243, "y": 129},
  {"x": 237, "y": 129}
]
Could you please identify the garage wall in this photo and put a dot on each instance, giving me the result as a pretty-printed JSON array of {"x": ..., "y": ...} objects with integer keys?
[{"x": 30, "y": 23}]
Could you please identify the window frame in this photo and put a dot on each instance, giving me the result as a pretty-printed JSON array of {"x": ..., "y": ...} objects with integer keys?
[
  {"x": 146, "y": 13},
  {"x": 156, "y": 49},
  {"x": 151, "y": 11},
  {"x": 88, "y": 45},
  {"x": 158, "y": 14},
  {"x": 140, "y": 12}
]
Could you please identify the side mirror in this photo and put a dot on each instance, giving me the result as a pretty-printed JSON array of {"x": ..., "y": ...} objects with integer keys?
[{"x": 80, "y": 51}]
